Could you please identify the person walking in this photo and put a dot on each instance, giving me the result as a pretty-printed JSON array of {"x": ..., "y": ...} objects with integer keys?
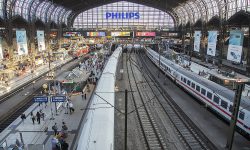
[
  {"x": 82, "y": 94},
  {"x": 54, "y": 128},
  {"x": 38, "y": 117},
  {"x": 71, "y": 109},
  {"x": 85, "y": 96},
  {"x": 33, "y": 118}
]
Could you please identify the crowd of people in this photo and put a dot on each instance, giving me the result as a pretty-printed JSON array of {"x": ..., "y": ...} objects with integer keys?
[{"x": 58, "y": 141}]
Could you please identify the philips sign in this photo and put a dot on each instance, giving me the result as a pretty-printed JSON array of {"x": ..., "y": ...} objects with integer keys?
[{"x": 122, "y": 15}]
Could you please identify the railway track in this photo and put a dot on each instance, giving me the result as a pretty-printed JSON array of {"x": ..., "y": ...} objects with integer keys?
[
  {"x": 18, "y": 109},
  {"x": 152, "y": 137},
  {"x": 190, "y": 134}
]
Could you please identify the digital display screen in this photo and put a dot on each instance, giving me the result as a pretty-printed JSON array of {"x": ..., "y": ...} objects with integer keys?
[
  {"x": 120, "y": 33},
  {"x": 71, "y": 34},
  {"x": 145, "y": 33},
  {"x": 96, "y": 34}
]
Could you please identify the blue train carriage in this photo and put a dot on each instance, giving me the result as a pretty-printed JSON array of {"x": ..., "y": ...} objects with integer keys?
[{"x": 214, "y": 96}]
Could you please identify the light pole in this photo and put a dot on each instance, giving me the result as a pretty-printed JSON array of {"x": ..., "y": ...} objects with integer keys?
[{"x": 159, "y": 51}]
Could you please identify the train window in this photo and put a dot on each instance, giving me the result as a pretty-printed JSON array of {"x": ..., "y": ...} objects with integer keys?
[
  {"x": 203, "y": 91},
  {"x": 216, "y": 99},
  {"x": 181, "y": 79},
  {"x": 209, "y": 95},
  {"x": 198, "y": 88},
  {"x": 188, "y": 82},
  {"x": 231, "y": 108},
  {"x": 241, "y": 115},
  {"x": 185, "y": 80},
  {"x": 223, "y": 104},
  {"x": 193, "y": 85}
]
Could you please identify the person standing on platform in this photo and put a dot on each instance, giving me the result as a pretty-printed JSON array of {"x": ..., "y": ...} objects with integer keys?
[
  {"x": 85, "y": 96},
  {"x": 38, "y": 117},
  {"x": 54, "y": 128}
]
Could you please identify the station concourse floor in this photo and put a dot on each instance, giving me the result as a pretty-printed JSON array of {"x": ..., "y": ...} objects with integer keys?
[{"x": 35, "y": 137}]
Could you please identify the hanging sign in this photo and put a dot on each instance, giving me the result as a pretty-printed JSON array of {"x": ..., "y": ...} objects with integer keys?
[
  {"x": 21, "y": 38},
  {"x": 197, "y": 40},
  {"x": 40, "y": 40},
  {"x": 212, "y": 39},
  {"x": 235, "y": 46}
]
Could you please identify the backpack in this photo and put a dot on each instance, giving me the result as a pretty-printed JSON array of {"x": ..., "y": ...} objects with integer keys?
[
  {"x": 65, "y": 127},
  {"x": 54, "y": 127}
]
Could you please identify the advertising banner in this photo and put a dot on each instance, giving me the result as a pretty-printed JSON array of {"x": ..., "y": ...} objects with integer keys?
[
  {"x": 120, "y": 33},
  {"x": 72, "y": 34},
  {"x": 96, "y": 34},
  {"x": 21, "y": 39},
  {"x": 145, "y": 33},
  {"x": 1, "y": 48},
  {"x": 212, "y": 39},
  {"x": 40, "y": 40},
  {"x": 197, "y": 40},
  {"x": 235, "y": 46}
]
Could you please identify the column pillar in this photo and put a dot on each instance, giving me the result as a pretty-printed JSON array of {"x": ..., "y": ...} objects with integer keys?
[
  {"x": 9, "y": 38},
  {"x": 248, "y": 51},
  {"x": 221, "y": 43},
  {"x": 203, "y": 41},
  {"x": 32, "y": 35},
  {"x": 47, "y": 35}
]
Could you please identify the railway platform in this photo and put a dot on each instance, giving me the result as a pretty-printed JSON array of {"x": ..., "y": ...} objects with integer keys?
[
  {"x": 29, "y": 76},
  {"x": 38, "y": 136}
]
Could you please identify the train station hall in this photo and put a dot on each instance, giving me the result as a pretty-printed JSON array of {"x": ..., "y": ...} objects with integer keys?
[{"x": 124, "y": 74}]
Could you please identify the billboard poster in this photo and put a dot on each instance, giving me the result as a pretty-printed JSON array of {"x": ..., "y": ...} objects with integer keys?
[
  {"x": 235, "y": 46},
  {"x": 197, "y": 40},
  {"x": 97, "y": 34},
  {"x": 40, "y": 40},
  {"x": 72, "y": 34},
  {"x": 120, "y": 33},
  {"x": 21, "y": 39},
  {"x": 145, "y": 33},
  {"x": 1, "y": 48},
  {"x": 212, "y": 39}
]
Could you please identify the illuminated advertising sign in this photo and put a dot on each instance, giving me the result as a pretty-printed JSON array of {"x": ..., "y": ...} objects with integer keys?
[
  {"x": 96, "y": 34},
  {"x": 120, "y": 33},
  {"x": 22, "y": 47},
  {"x": 145, "y": 33},
  {"x": 122, "y": 15},
  {"x": 235, "y": 46},
  {"x": 71, "y": 34}
]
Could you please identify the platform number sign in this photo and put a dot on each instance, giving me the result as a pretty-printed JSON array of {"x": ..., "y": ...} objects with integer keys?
[{"x": 58, "y": 98}]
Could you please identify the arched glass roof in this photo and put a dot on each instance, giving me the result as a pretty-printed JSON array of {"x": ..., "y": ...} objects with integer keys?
[
  {"x": 116, "y": 14},
  {"x": 30, "y": 10},
  {"x": 206, "y": 9},
  {"x": 190, "y": 11}
]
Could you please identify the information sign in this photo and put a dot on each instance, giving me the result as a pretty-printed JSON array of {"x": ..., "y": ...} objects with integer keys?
[
  {"x": 40, "y": 99},
  {"x": 58, "y": 98}
]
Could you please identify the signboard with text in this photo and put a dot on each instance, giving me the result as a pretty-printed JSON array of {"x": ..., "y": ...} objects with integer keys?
[
  {"x": 58, "y": 98},
  {"x": 235, "y": 46},
  {"x": 122, "y": 15},
  {"x": 21, "y": 39},
  {"x": 145, "y": 33},
  {"x": 40, "y": 99},
  {"x": 114, "y": 34},
  {"x": 40, "y": 40},
  {"x": 96, "y": 34},
  {"x": 212, "y": 39},
  {"x": 197, "y": 40}
]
